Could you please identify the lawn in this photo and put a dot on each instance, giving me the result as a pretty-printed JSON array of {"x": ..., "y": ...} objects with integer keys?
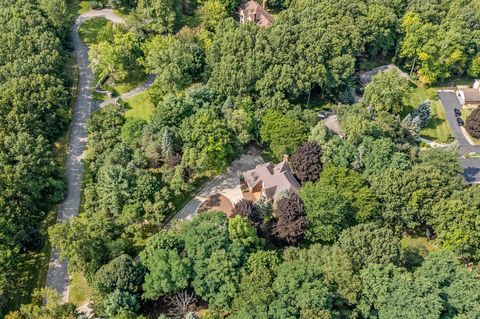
[
  {"x": 437, "y": 129},
  {"x": 90, "y": 29},
  {"x": 80, "y": 292},
  {"x": 415, "y": 249},
  {"x": 140, "y": 106}
]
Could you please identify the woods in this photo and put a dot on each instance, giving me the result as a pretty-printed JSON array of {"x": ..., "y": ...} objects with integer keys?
[{"x": 337, "y": 245}]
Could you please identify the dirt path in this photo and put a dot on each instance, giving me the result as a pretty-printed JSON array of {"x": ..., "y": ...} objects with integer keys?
[{"x": 57, "y": 276}]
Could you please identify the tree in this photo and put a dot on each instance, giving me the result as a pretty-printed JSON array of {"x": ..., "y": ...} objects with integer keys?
[
  {"x": 327, "y": 211},
  {"x": 119, "y": 301},
  {"x": 168, "y": 271},
  {"x": 300, "y": 289},
  {"x": 160, "y": 16},
  {"x": 176, "y": 62},
  {"x": 247, "y": 209},
  {"x": 386, "y": 92},
  {"x": 56, "y": 11},
  {"x": 407, "y": 197},
  {"x": 72, "y": 236},
  {"x": 132, "y": 131},
  {"x": 306, "y": 162},
  {"x": 282, "y": 133},
  {"x": 216, "y": 258},
  {"x": 290, "y": 221},
  {"x": 207, "y": 142},
  {"x": 459, "y": 287},
  {"x": 473, "y": 123},
  {"x": 412, "y": 125},
  {"x": 354, "y": 188},
  {"x": 35, "y": 104},
  {"x": 255, "y": 287},
  {"x": 455, "y": 220},
  {"x": 46, "y": 303},
  {"x": 211, "y": 13},
  {"x": 474, "y": 69},
  {"x": 121, "y": 273},
  {"x": 240, "y": 229},
  {"x": 369, "y": 244},
  {"x": 116, "y": 57},
  {"x": 423, "y": 112},
  {"x": 390, "y": 292}
]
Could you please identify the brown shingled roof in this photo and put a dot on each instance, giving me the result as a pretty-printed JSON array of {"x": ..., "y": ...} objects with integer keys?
[
  {"x": 274, "y": 179},
  {"x": 253, "y": 12}
]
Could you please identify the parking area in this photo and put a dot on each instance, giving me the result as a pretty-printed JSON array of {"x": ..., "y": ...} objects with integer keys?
[{"x": 471, "y": 166}]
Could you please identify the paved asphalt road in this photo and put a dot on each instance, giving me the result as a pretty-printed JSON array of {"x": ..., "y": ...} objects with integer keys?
[
  {"x": 57, "y": 276},
  {"x": 471, "y": 166}
]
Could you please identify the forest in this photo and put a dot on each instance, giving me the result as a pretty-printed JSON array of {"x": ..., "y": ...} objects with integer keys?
[
  {"x": 34, "y": 112},
  {"x": 337, "y": 249}
]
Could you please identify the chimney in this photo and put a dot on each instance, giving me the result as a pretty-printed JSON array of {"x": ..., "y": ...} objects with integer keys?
[
  {"x": 285, "y": 158},
  {"x": 264, "y": 4}
]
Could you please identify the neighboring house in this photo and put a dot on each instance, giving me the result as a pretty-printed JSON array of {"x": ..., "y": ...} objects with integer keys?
[
  {"x": 251, "y": 11},
  {"x": 366, "y": 77},
  {"x": 270, "y": 181},
  {"x": 469, "y": 96}
]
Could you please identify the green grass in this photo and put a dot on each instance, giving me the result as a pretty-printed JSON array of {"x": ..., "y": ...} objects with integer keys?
[
  {"x": 140, "y": 106},
  {"x": 415, "y": 249},
  {"x": 32, "y": 268},
  {"x": 80, "y": 292},
  {"x": 437, "y": 129},
  {"x": 90, "y": 29}
]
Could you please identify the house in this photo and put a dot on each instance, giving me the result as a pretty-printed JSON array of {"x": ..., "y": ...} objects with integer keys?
[
  {"x": 366, "y": 77},
  {"x": 251, "y": 11},
  {"x": 268, "y": 181},
  {"x": 469, "y": 96}
]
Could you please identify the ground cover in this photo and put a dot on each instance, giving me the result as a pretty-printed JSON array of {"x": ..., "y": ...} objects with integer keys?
[{"x": 140, "y": 106}]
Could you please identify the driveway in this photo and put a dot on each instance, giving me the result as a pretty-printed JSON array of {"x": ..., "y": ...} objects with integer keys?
[
  {"x": 227, "y": 184},
  {"x": 471, "y": 166},
  {"x": 57, "y": 276}
]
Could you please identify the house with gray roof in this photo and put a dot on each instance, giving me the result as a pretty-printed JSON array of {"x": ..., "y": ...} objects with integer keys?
[
  {"x": 270, "y": 181},
  {"x": 469, "y": 96}
]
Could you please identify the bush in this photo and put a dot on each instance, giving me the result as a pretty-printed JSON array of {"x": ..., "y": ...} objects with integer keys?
[
  {"x": 247, "y": 209},
  {"x": 473, "y": 124}
]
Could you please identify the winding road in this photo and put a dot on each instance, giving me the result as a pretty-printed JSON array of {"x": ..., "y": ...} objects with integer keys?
[{"x": 57, "y": 276}]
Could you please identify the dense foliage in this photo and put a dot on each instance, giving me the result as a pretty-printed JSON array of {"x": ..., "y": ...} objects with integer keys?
[
  {"x": 337, "y": 248},
  {"x": 33, "y": 112}
]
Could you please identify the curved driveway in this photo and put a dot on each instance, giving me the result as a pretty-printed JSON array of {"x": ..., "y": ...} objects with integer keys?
[{"x": 57, "y": 276}]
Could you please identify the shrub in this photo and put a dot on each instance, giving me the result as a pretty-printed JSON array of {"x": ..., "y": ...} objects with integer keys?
[{"x": 247, "y": 209}]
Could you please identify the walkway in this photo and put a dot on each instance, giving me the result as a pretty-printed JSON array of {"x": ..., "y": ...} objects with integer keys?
[
  {"x": 139, "y": 89},
  {"x": 57, "y": 276},
  {"x": 227, "y": 185}
]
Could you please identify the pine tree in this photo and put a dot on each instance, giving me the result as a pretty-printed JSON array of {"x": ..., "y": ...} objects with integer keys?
[
  {"x": 423, "y": 112},
  {"x": 167, "y": 147}
]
